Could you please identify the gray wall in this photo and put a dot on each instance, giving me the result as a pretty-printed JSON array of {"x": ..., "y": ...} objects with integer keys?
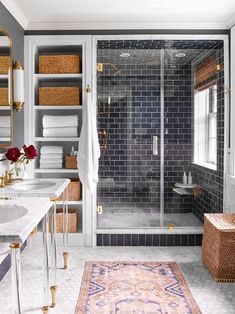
[{"x": 17, "y": 34}]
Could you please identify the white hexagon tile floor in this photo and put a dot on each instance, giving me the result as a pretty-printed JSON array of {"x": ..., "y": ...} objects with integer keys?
[{"x": 212, "y": 297}]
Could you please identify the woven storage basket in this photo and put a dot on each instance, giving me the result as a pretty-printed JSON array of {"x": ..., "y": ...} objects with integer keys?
[
  {"x": 59, "y": 96},
  {"x": 5, "y": 63},
  {"x": 72, "y": 220},
  {"x": 71, "y": 162},
  {"x": 56, "y": 64},
  {"x": 74, "y": 191},
  {"x": 218, "y": 246},
  {"x": 4, "y": 96}
]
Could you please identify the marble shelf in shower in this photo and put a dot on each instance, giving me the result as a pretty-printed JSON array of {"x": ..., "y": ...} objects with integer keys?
[
  {"x": 185, "y": 186},
  {"x": 182, "y": 191}
]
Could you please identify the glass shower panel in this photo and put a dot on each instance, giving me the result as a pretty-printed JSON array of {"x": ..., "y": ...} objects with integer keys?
[
  {"x": 128, "y": 109},
  {"x": 184, "y": 206}
]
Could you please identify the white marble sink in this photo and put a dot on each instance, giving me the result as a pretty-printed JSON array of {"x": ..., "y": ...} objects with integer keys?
[
  {"x": 18, "y": 217},
  {"x": 33, "y": 185},
  {"x": 48, "y": 188},
  {"x": 11, "y": 212}
]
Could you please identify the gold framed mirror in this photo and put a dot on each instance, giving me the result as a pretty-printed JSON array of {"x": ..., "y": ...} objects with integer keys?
[{"x": 6, "y": 87}]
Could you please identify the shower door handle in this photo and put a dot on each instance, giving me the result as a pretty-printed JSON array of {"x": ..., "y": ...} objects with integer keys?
[{"x": 155, "y": 145}]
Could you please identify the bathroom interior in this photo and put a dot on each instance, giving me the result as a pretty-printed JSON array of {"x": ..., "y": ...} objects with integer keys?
[{"x": 117, "y": 157}]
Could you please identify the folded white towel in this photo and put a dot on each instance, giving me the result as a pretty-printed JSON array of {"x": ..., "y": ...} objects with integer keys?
[
  {"x": 60, "y": 132},
  {"x": 51, "y": 166},
  {"x": 52, "y": 149},
  {"x": 5, "y": 132},
  {"x": 5, "y": 121},
  {"x": 54, "y": 156},
  {"x": 50, "y": 161},
  {"x": 59, "y": 121}
]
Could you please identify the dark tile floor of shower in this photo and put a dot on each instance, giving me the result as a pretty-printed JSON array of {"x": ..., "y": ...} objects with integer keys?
[{"x": 135, "y": 216}]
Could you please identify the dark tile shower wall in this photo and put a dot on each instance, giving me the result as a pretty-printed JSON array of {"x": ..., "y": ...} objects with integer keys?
[
  {"x": 178, "y": 131},
  {"x": 133, "y": 119},
  {"x": 211, "y": 181}
]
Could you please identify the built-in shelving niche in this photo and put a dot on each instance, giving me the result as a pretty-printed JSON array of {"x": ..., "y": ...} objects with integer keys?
[{"x": 57, "y": 45}]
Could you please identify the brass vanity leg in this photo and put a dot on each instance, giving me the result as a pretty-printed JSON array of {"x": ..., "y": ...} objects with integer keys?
[
  {"x": 53, "y": 295},
  {"x": 45, "y": 309},
  {"x": 66, "y": 255}
]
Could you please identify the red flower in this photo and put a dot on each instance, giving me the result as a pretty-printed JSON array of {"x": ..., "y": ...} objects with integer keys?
[
  {"x": 13, "y": 154},
  {"x": 30, "y": 151}
]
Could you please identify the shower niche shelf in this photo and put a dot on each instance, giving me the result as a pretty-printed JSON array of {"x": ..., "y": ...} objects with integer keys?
[
  {"x": 185, "y": 186},
  {"x": 58, "y": 45},
  {"x": 185, "y": 189},
  {"x": 182, "y": 191}
]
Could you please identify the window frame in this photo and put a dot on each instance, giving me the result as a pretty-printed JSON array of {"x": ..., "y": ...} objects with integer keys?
[{"x": 202, "y": 150}]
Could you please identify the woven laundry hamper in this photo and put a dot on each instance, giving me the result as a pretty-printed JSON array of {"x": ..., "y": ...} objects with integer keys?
[{"x": 218, "y": 246}]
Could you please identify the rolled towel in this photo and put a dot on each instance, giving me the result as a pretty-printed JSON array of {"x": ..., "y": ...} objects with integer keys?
[
  {"x": 5, "y": 132},
  {"x": 60, "y": 132},
  {"x": 50, "y": 161},
  {"x": 5, "y": 121},
  {"x": 52, "y": 150},
  {"x": 54, "y": 156},
  {"x": 51, "y": 166},
  {"x": 59, "y": 121}
]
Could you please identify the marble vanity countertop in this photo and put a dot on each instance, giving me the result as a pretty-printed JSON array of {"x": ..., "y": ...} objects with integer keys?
[
  {"x": 19, "y": 229},
  {"x": 54, "y": 189}
]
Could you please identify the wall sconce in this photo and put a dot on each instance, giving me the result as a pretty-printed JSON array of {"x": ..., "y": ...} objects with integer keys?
[{"x": 18, "y": 86}]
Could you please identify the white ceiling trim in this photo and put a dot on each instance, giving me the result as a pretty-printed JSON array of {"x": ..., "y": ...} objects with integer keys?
[
  {"x": 124, "y": 24},
  {"x": 231, "y": 20},
  {"x": 114, "y": 23},
  {"x": 16, "y": 12}
]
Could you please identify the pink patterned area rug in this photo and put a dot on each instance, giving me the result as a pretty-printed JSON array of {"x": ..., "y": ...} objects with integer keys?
[{"x": 134, "y": 287}]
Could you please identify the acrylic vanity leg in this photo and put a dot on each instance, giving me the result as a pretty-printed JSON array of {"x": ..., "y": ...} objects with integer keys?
[
  {"x": 65, "y": 229},
  {"x": 46, "y": 279},
  {"x": 53, "y": 286},
  {"x": 15, "y": 273},
  {"x": 64, "y": 222}
]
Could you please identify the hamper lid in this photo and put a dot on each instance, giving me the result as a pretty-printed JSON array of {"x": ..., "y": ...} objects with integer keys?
[{"x": 223, "y": 222}]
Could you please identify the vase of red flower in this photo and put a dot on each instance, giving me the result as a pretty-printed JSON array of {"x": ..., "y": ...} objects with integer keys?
[{"x": 19, "y": 158}]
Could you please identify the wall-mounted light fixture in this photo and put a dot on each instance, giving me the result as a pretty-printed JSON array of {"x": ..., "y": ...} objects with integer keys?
[{"x": 18, "y": 86}]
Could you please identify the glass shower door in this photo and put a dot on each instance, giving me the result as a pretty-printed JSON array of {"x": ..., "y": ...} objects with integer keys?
[{"x": 129, "y": 127}]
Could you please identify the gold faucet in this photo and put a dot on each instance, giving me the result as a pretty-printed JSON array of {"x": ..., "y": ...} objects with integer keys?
[
  {"x": 6, "y": 179},
  {"x": 2, "y": 182}
]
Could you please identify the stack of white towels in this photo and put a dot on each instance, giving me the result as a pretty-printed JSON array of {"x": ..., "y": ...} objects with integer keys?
[
  {"x": 51, "y": 157},
  {"x": 60, "y": 126},
  {"x": 5, "y": 126}
]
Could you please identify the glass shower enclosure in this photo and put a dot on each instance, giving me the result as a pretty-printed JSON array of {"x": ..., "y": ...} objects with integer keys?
[{"x": 149, "y": 96}]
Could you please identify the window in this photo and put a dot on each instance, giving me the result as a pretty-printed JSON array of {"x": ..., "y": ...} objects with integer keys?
[
  {"x": 205, "y": 111},
  {"x": 205, "y": 133}
]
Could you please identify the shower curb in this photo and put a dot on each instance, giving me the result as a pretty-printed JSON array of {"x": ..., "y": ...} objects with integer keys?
[{"x": 148, "y": 239}]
